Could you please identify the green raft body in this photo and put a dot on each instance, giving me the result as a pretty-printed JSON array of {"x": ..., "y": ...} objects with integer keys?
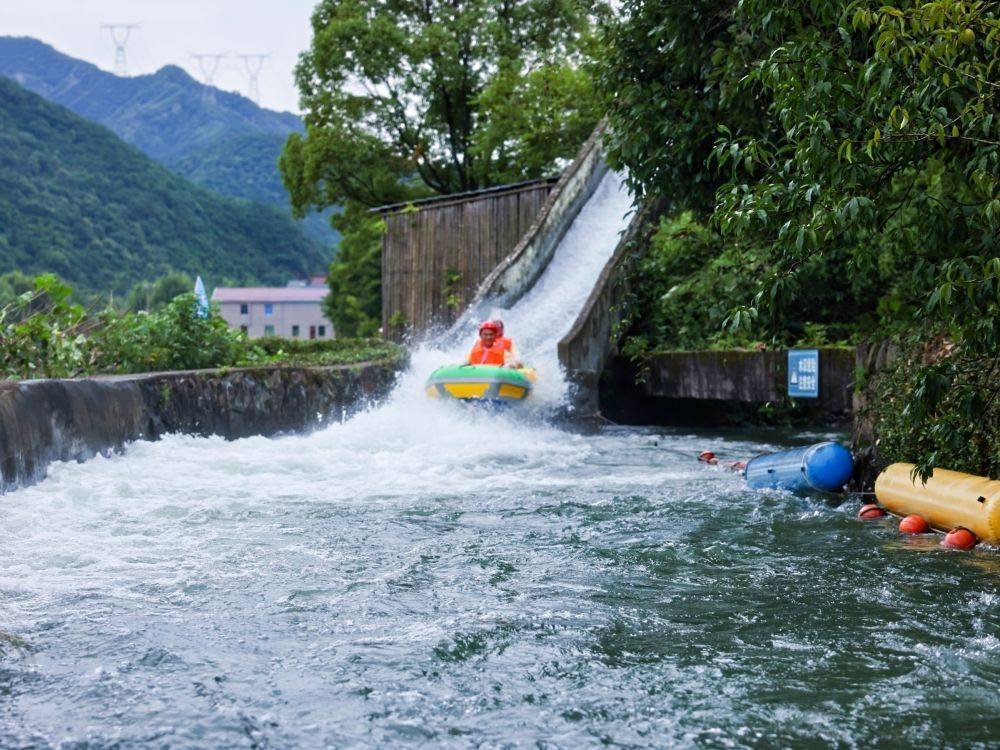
[{"x": 480, "y": 383}]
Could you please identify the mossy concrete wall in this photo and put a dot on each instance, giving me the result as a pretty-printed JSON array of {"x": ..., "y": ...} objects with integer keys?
[{"x": 42, "y": 421}]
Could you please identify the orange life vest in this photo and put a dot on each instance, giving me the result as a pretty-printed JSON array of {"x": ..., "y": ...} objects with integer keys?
[
  {"x": 507, "y": 343},
  {"x": 480, "y": 355}
]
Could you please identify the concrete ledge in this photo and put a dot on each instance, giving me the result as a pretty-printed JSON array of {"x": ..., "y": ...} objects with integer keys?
[
  {"x": 750, "y": 376},
  {"x": 707, "y": 386},
  {"x": 42, "y": 421}
]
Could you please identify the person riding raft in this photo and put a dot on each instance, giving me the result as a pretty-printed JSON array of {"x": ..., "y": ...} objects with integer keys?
[
  {"x": 507, "y": 343},
  {"x": 491, "y": 348}
]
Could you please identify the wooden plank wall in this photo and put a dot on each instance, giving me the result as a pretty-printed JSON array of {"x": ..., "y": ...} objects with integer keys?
[{"x": 466, "y": 236}]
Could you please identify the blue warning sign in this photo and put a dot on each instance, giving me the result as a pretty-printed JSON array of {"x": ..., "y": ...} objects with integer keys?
[{"x": 803, "y": 373}]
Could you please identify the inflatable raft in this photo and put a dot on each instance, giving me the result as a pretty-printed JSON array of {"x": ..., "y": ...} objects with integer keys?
[
  {"x": 948, "y": 500},
  {"x": 823, "y": 466},
  {"x": 481, "y": 383}
]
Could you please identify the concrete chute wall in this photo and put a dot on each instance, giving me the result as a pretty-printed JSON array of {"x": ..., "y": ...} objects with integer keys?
[{"x": 593, "y": 339}]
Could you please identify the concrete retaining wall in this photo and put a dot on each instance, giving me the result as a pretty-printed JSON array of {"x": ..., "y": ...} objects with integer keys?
[
  {"x": 42, "y": 421},
  {"x": 701, "y": 387}
]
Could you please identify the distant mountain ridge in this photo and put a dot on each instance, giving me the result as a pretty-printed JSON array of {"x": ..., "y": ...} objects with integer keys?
[
  {"x": 78, "y": 201},
  {"x": 216, "y": 138}
]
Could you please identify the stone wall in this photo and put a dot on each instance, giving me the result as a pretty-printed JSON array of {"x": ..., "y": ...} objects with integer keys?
[{"x": 42, "y": 421}]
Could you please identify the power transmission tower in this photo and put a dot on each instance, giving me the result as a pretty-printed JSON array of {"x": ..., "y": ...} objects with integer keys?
[
  {"x": 253, "y": 65},
  {"x": 120, "y": 33},
  {"x": 208, "y": 64}
]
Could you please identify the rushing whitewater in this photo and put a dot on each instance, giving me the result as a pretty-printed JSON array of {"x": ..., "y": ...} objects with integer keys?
[
  {"x": 430, "y": 575},
  {"x": 539, "y": 319}
]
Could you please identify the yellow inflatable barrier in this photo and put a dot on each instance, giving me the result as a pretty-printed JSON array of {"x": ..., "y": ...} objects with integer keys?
[{"x": 949, "y": 499}]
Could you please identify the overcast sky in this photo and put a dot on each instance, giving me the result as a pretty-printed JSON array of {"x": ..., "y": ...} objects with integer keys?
[{"x": 173, "y": 30}]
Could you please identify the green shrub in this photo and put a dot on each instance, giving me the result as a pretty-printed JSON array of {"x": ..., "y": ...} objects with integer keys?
[
  {"x": 174, "y": 338},
  {"x": 42, "y": 333},
  {"x": 320, "y": 352},
  {"x": 690, "y": 280},
  {"x": 938, "y": 405}
]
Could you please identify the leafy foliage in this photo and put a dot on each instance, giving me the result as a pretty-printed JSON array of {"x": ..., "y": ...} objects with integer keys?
[
  {"x": 354, "y": 304},
  {"x": 690, "y": 280},
  {"x": 175, "y": 337},
  {"x": 940, "y": 405},
  {"x": 426, "y": 78},
  {"x": 151, "y": 296},
  {"x": 407, "y": 99},
  {"x": 43, "y": 333},
  {"x": 76, "y": 201},
  {"x": 828, "y": 142},
  {"x": 326, "y": 352}
]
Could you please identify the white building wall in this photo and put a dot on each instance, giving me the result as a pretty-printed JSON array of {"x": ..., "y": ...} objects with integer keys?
[{"x": 285, "y": 316}]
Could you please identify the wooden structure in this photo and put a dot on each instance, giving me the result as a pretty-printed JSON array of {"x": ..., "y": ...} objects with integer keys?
[{"x": 436, "y": 252}]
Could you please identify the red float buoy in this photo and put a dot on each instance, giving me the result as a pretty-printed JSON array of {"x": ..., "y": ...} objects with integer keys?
[
  {"x": 914, "y": 525},
  {"x": 959, "y": 538},
  {"x": 870, "y": 511}
]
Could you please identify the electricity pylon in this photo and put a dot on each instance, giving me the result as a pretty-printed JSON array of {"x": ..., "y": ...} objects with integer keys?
[
  {"x": 120, "y": 33},
  {"x": 253, "y": 65},
  {"x": 208, "y": 64}
]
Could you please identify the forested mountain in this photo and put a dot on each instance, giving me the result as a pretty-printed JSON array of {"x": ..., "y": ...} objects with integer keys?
[
  {"x": 77, "y": 201},
  {"x": 216, "y": 138}
]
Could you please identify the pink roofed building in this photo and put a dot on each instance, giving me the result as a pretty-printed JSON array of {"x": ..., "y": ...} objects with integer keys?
[{"x": 294, "y": 312}]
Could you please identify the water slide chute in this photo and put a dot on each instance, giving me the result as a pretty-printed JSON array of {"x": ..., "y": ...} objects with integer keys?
[
  {"x": 948, "y": 500},
  {"x": 824, "y": 466},
  {"x": 481, "y": 383}
]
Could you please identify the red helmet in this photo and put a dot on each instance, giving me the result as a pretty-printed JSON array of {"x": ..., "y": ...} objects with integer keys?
[
  {"x": 706, "y": 456},
  {"x": 489, "y": 325},
  {"x": 499, "y": 324}
]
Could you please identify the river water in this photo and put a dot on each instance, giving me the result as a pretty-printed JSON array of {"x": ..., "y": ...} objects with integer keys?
[{"x": 431, "y": 575}]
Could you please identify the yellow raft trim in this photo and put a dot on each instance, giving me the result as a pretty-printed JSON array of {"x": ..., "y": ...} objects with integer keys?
[
  {"x": 512, "y": 391},
  {"x": 467, "y": 390},
  {"x": 949, "y": 499}
]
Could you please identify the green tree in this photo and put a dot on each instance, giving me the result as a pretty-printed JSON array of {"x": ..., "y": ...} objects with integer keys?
[
  {"x": 876, "y": 142},
  {"x": 151, "y": 296},
  {"x": 354, "y": 304},
  {"x": 408, "y": 99},
  {"x": 664, "y": 75}
]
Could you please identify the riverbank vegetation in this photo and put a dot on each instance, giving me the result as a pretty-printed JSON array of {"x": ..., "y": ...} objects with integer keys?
[
  {"x": 44, "y": 333},
  {"x": 405, "y": 100},
  {"x": 834, "y": 173}
]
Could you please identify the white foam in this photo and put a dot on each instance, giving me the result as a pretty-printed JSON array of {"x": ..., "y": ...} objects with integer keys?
[
  {"x": 547, "y": 312},
  {"x": 110, "y": 513}
]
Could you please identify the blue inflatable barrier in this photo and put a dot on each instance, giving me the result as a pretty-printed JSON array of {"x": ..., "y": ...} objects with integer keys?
[{"x": 824, "y": 466}]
